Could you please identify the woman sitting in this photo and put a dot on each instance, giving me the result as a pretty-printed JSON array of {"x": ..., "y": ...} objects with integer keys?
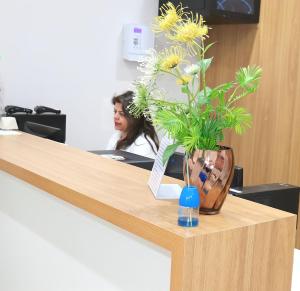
[{"x": 135, "y": 135}]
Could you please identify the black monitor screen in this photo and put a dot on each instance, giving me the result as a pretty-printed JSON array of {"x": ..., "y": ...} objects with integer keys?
[
  {"x": 41, "y": 130},
  {"x": 236, "y": 6}
]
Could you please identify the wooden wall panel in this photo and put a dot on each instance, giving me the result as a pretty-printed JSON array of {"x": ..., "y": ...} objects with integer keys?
[{"x": 269, "y": 151}]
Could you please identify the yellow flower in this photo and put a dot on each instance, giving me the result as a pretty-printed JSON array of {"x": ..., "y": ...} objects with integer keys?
[
  {"x": 170, "y": 15},
  {"x": 184, "y": 79},
  {"x": 171, "y": 58},
  {"x": 190, "y": 31}
]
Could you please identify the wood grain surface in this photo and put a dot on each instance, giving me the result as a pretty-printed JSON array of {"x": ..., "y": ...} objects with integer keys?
[
  {"x": 269, "y": 151},
  {"x": 247, "y": 242}
]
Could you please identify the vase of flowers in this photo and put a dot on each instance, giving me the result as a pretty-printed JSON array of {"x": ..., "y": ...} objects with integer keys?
[
  {"x": 211, "y": 171},
  {"x": 197, "y": 121}
]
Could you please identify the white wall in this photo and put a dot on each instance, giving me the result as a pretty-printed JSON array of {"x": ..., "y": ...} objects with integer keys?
[
  {"x": 66, "y": 54},
  {"x": 49, "y": 245}
]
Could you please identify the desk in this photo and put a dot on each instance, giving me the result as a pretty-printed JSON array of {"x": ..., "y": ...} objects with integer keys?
[
  {"x": 174, "y": 167},
  {"x": 129, "y": 158},
  {"x": 247, "y": 246}
]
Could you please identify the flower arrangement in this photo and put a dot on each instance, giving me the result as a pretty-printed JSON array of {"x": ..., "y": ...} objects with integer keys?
[{"x": 198, "y": 121}]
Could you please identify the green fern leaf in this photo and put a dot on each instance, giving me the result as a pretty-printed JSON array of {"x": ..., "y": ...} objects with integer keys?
[{"x": 248, "y": 77}]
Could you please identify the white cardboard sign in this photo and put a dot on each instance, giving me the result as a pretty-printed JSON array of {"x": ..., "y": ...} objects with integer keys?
[{"x": 162, "y": 191}]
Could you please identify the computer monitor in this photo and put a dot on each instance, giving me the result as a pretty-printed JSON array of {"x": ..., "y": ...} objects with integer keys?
[
  {"x": 42, "y": 130},
  {"x": 175, "y": 166},
  {"x": 222, "y": 11},
  {"x": 51, "y": 120},
  {"x": 278, "y": 195}
]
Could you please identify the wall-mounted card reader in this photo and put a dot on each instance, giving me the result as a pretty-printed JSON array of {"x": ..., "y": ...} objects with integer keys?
[{"x": 137, "y": 40}]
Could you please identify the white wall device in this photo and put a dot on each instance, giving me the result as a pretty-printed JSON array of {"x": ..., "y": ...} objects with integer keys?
[{"x": 137, "y": 39}]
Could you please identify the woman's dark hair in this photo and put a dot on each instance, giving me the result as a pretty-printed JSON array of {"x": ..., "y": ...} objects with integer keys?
[{"x": 136, "y": 126}]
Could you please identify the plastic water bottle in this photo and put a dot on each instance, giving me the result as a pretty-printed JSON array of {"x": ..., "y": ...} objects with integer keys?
[{"x": 188, "y": 211}]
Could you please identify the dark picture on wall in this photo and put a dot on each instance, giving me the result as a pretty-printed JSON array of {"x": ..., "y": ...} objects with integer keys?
[
  {"x": 238, "y": 6},
  {"x": 222, "y": 11}
]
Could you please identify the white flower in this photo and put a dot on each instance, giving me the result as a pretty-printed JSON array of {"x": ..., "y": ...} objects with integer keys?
[
  {"x": 141, "y": 95},
  {"x": 192, "y": 69},
  {"x": 150, "y": 65}
]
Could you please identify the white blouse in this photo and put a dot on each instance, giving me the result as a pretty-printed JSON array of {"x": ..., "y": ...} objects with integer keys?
[{"x": 140, "y": 146}]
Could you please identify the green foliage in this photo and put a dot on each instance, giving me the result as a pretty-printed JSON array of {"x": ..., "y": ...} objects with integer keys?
[
  {"x": 204, "y": 64},
  {"x": 201, "y": 124},
  {"x": 169, "y": 151}
]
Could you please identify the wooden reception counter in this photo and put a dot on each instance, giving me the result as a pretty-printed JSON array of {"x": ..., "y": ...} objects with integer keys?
[{"x": 247, "y": 246}]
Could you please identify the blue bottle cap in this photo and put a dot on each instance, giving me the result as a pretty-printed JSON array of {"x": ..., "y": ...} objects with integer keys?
[{"x": 189, "y": 197}]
